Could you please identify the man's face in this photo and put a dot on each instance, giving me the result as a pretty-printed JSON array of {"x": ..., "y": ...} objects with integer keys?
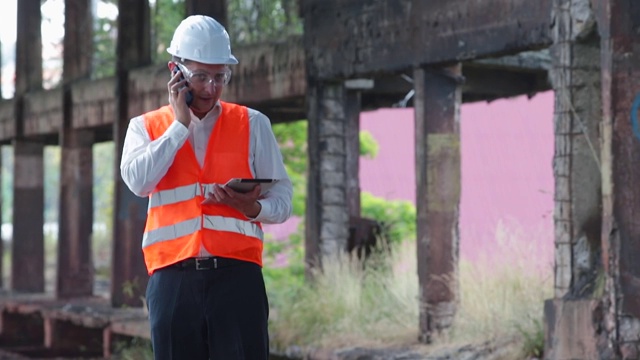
[{"x": 206, "y": 82}]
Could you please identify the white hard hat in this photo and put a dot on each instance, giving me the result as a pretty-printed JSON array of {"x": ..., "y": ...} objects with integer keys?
[{"x": 202, "y": 39}]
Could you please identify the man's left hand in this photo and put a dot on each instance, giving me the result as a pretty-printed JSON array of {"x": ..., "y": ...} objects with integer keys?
[{"x": 246, "y": 203}]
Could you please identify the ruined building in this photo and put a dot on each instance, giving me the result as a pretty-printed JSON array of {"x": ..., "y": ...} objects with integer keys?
[{"x": 355, "y": 55}]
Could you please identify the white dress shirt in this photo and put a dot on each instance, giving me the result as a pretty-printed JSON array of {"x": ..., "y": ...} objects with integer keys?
[{"x": 145, "y": 162}]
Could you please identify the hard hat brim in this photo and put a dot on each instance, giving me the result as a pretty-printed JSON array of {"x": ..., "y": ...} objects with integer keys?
[{"x": 231, "y": 60}]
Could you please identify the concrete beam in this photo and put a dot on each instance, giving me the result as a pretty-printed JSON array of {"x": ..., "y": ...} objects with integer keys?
[
  {"x": 524, "y": 61},
  {"x": 43, "y": 112},
  {"x": 270, "y": 78},
  {"x": 270, "y": 75},
  {"x": 346, "y": 39},
  {"x": 7, "y": 120},
  {"x": 94, "y": 103}
]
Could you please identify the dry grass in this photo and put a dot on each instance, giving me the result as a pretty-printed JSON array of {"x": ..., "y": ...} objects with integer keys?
[
  {"x": 348, "y": 304},
  {"x": 502, "y": 294},
  {"x": 351, "y": 305}
]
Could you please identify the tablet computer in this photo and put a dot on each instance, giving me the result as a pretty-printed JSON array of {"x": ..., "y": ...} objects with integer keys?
[{"x": 246, "y": 185}]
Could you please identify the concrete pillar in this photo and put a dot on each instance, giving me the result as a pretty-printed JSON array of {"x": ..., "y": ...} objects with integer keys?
[
  {"x": 75, "y": 274},
  {"x": 437, "y": 122},
  {"x": 327, "y": 217},
  {"x": 576, "y": 80},
  {"x": 578, "y": 202},
  {"x": 27, "y": 265},
  {"x": 128, "y": 274}
]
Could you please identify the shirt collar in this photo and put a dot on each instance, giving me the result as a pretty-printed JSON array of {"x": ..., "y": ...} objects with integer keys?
[{"x": 211, "y": 116}]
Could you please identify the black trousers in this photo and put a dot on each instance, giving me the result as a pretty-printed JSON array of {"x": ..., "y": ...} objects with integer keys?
[{"x": 218, "y": 314}]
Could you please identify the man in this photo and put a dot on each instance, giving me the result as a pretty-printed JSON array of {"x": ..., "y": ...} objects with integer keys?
[{"x": 203, "y": 241}]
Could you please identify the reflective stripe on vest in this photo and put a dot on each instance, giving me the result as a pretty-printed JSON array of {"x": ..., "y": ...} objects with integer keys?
[
  {"x": 222, "y": 223},
  {"x": 182, "y": 193},
  {"x": 190, "y": 226},
  {"x": 172, "y": 196},
  {"x": 171, "y": 232}
]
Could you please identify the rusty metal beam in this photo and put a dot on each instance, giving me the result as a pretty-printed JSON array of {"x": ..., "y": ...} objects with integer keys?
[
  {"x": 618, "y": 22},
  {"x": 437, "y": 117},
  {"x": 352, "y": 38}
]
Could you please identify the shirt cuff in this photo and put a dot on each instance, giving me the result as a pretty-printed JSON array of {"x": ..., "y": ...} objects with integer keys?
[
  {"x": 177, "y": 131},
  {"x": 260, "y": 216}
]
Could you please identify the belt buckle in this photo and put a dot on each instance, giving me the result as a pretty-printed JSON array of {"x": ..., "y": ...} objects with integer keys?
[{"x": 201, "y": 263}]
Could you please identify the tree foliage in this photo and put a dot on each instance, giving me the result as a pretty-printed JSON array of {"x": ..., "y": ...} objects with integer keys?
[
  {"x": 104, "y": 45},
  {"x": 292, "y": 138},
  {"x": 368, "y": 145},
  {"x": 165, "y": 17},
  {"x": 104, "y": 61},
  {"x": 252, "y": 21}
]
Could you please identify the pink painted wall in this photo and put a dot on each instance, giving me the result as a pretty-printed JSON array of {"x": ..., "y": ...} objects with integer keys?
[{"x": 507, "y": 177}]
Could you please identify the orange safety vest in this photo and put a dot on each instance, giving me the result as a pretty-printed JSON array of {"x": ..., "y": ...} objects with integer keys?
[{"x": 177, "y": 223}]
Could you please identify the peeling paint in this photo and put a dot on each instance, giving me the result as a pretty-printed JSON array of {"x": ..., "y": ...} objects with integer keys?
[{"x": 443, "y": 149}]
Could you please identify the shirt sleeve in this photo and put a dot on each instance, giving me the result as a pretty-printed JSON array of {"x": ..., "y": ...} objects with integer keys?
[
  {"x": 145, "y": 162},
  {"x": 267, "y": 163}
]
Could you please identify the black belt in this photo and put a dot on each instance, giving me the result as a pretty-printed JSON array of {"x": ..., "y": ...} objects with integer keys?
[{"x": 207, "y": 263}]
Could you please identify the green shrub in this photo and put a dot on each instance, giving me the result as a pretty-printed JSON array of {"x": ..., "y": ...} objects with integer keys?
[{"x": 397, "y": 217}]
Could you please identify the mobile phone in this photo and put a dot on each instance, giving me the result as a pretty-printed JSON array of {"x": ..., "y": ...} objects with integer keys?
[{"x": 189, "y": 96}]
